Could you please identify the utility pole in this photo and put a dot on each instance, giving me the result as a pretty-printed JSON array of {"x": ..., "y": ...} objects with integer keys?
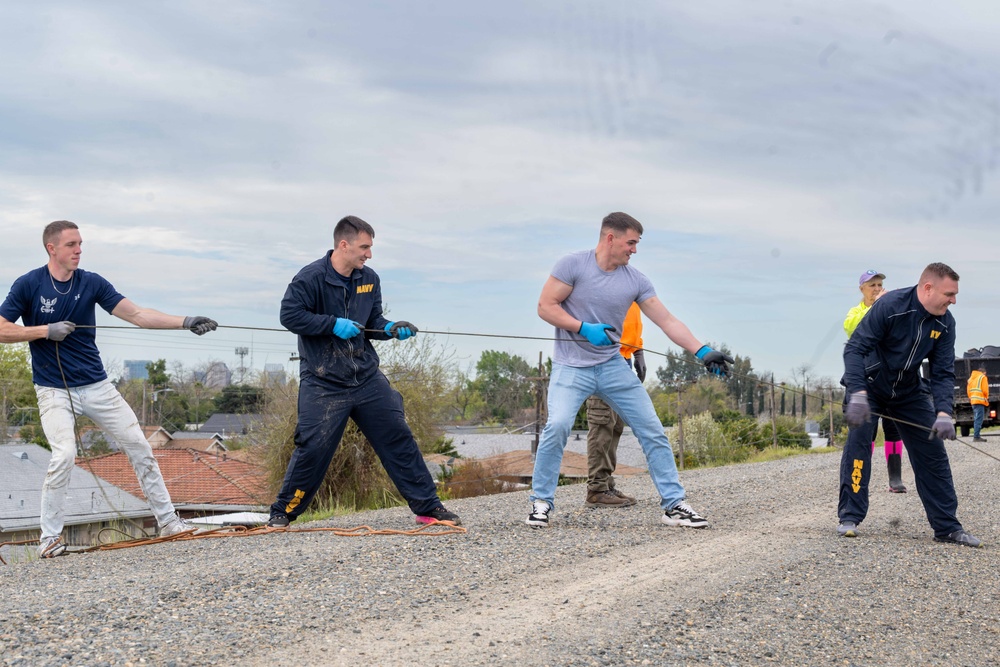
[
  {"x": 680, "y": 428},
  {"x": 539, "y": 401},
  {"x": 242, "y": 352},
  {"x": 774, "y": 421},
  {"x": 831, "y": 415}
]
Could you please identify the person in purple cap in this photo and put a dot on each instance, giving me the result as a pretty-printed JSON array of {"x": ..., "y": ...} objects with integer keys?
[{"x": 870, "y": 285}]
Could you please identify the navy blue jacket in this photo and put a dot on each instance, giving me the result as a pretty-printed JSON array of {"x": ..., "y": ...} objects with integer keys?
[
  {"x": 895, "y": 336},
  {"x": 314, "y": 300}
]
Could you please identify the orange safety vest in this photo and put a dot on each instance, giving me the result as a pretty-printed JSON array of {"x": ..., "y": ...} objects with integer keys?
[
  {"x": 978, "y": 388},
  {"x": 631, "y": 331}
]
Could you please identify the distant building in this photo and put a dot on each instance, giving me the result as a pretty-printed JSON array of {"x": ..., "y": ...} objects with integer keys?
[
  {"x": 275, "y": 373},
  {"x": 229, "y": 424},
  {"x": 215, "y": 376},
  {"x": 135, "y": 369}
]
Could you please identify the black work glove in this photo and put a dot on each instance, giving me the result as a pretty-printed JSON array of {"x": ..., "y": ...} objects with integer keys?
[
  {"x": 59, "y": 330},
  {"x": 639, "y": 359},
  {"x": 715, "y": 362},
  {"x": 858, "y": 412},
  {"x": 943, "y": 428},
  {"x": 200, "y": 325},
  {"x": 401, "y": 329}
]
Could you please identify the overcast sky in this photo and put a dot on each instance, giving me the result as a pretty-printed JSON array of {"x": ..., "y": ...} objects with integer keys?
[{"x": 773, "y": 150}]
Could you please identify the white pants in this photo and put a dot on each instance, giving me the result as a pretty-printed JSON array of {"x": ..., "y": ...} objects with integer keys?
[{"x": 102, "y": 403}]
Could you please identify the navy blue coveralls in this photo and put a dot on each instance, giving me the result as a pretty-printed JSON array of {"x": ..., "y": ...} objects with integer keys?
[
  {"x": 883, "y": 357},
  {"x": 340, "y": 379}
]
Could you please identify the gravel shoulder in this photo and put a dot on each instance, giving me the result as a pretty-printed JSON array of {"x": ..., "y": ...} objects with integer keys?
[{"x": 769, "y": 583}]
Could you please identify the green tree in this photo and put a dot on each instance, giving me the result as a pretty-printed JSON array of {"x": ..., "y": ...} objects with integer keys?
[
  {"x": 240, "y": 399},
  {"x": 158, "y": 376},
  {"x": 18, "y": 403},
  {"x": 502, "y": 382}
]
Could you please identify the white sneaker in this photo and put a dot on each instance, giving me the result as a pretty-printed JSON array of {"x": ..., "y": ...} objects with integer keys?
[
  {"x": 539, "y": 517},
  {"x": 50, "y": 547},
  {"x": 682, "y": 514},
  {"x": 176, "y": 527}
]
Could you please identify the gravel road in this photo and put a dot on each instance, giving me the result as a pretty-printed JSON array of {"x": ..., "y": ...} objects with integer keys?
[{"x": 770, "y": 583}]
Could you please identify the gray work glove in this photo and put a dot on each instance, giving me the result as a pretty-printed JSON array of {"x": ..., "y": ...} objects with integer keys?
[
  {"x": 858, "y": 412},
  {"x": 59, "y": 330},
  {"x": 639, "y": 360},
  {"x": 401, "y": 329},
  {"x": 200, "y": 325},
  {"x": 715, "y": 361},
  {"x": 943, "y": 428}
]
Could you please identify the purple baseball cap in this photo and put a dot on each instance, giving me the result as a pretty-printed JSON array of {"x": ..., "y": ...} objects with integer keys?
[{"x": 870, "y": 274}]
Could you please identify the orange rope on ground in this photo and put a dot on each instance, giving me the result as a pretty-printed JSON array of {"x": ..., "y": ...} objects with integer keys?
[{"x": 436, "y": 529}]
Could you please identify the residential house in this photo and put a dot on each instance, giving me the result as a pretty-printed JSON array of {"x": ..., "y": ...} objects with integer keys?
[
  {"x": 229, "y": 425},
  {"x": 92, "y": 504},
  {"x": 199, "y": 482}
]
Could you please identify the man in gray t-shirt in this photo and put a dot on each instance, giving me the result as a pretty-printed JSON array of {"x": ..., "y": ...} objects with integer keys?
[{"x": 588, "y": 294}]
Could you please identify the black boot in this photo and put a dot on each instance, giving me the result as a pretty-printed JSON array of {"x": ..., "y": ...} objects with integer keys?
[{"x": 895, "y": 464}]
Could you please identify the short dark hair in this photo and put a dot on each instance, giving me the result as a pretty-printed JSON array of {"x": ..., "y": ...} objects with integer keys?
[
  {"x": 938, "y": 270},
  {"x": 349, "y": 227},
  {"x": 54, "y": 229},
  {"x": 619, "y": 223}
]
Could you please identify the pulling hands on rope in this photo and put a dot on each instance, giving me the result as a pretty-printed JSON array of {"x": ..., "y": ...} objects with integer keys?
[
  {"x": 401, "y": 329},
  {"x": 59, "y": 330},
  {"x": 715, "y": 361},
  {"x": 596, "y": 334},
  {"x": 943, "y": 427},
  {"x": 345, "y": 328},
  {"x": 200, "y": 325},
  {"x": 858, "y": 411}
]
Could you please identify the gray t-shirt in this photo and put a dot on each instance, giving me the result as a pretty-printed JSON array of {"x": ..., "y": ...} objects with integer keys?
[{"x": 598, "y": 297}]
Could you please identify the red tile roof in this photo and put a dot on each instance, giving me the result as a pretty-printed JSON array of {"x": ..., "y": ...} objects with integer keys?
[{"x": 192, "y": 477}]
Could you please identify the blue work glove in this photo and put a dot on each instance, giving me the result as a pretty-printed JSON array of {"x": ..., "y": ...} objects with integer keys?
[
  {"x": 715, "y": 361},
  {"x": 58, "y": 331},
  {"x": 200, "y": 325},
  {"x": 597, "y": 334},
  {"x": 858, "y": 412},
  {"x": 943, "y": 428},
  {"x": 401, "y": 329},
  {"x": 345, "y": 328},
  {"x": 639, "y": 359}
]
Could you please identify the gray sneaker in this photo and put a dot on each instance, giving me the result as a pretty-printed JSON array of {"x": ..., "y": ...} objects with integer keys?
[
  {"x": 960, "y": 537},
  {"x": 50, "y": 547},
  {"x": 175, "y": 527},
  {"x": 847, "y": 529}
]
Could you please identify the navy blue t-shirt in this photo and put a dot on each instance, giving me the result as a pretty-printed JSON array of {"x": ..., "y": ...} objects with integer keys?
[{"x": 35, "y": 301}]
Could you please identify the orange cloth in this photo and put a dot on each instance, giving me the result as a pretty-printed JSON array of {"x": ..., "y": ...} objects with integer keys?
[
  {"x": 631, "y": 331},
  {"x": 978, "y": 388}
]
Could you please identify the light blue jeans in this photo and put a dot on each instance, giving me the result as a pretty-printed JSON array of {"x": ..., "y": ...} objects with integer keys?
[
  {"x": 106, "y": 407},
  {"x": 616, "y": 384}
]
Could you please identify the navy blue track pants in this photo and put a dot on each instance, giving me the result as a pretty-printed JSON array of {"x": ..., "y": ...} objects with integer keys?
[
  {"x": 928, "y": 459},
  {"x": 377, "y": 409}
]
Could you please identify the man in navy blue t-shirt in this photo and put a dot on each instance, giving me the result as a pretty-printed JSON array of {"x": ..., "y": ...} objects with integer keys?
[{"x": 52, "y": 302}]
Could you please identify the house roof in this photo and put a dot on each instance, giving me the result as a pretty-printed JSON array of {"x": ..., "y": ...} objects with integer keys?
[
  {"x": 230, "y": 424},
  {"x": 196, "y": 435},
  {"x": 89, "y": 499},
  {"x": 149, "y": 431},
  {"x": 193, "y": 478}
]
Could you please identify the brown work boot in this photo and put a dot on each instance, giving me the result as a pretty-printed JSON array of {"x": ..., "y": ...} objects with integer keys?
[{"x": 610, "y": 498}]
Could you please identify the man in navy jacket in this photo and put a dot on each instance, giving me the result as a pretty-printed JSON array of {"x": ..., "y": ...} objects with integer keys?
[
  {"x": 335, "y": 306},
  {"x": 881, "y": 372}
]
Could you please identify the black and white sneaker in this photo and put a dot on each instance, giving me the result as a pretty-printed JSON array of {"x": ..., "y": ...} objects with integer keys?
[
  {"x": 683, "y": 515},
  {"x": 278, "y": 521},
  {"x": 539, "y": 517}
]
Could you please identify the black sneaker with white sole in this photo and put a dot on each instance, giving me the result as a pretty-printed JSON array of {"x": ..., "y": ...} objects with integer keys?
[
  {"x": 539, "y": 517},
  {"x": 278, "y": 521},
  {"x": 439, "y": 515},
  {"x": 682, "y": 514}
]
